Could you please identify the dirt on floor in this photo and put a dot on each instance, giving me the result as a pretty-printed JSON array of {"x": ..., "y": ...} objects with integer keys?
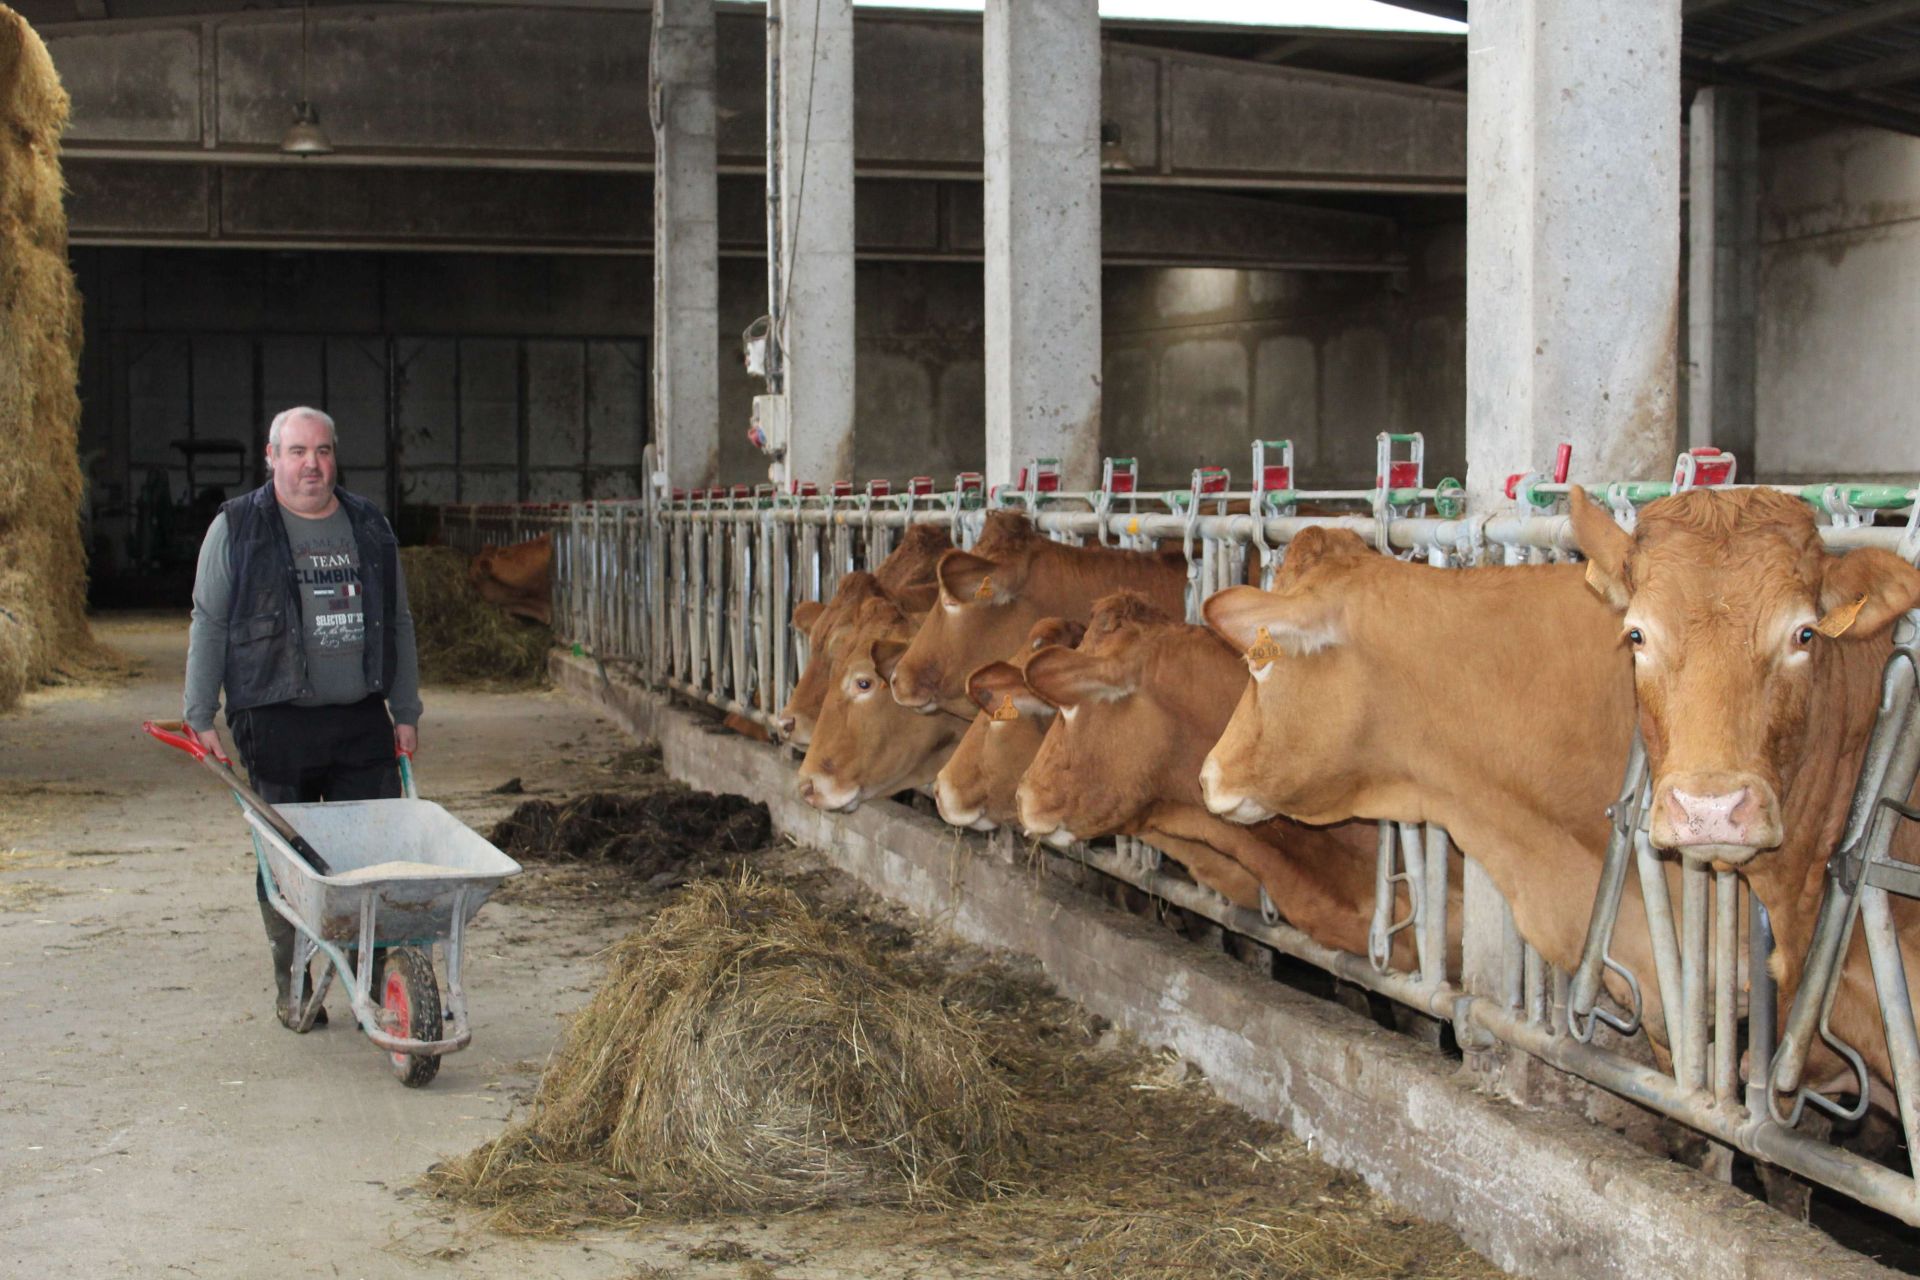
[{"x": 155, "y": 1119}]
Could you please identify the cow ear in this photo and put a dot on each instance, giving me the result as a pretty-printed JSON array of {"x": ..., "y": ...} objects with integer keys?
[
  {"x": 965, "y": 578},
  {"x": 1052, "y": 631},
  {"x": 886, "y": 655},
  {"x": 1265, "y": 624},
  {"x": 1063, "y": 678},
  {"x": 806, "y": 613},
  {"x": 1605, "y": 545},
  {"x": 1862, "y": 592},
  {"x": 1000, "y": 690}
]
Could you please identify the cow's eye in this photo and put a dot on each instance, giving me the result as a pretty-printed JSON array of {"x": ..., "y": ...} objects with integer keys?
[
  {"x": 1636, "y": 637},
  {"x": 863, "y": 684},
  {"x": 1805, "y": 636}
]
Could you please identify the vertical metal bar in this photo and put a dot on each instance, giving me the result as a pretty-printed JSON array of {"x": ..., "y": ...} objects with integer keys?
[
  {"x": 1433, "y": 924},
  {"x": 1536, "y": 986},
  {"x": 1377, "y": 938},
  {"x": 1896, "y": 1006},
  {"x": 1413, "y": 863},
  {"x": 1726, "y": 976},
  {"x": 1693, "y": 970},
  {"x": 1666, "y": 951},
  {"x": 1763, "y": 999},
  {"x": 1513, "y": 960}
]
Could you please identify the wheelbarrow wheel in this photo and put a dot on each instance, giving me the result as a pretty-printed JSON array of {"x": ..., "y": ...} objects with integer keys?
[{"x": 410, "y": 996}]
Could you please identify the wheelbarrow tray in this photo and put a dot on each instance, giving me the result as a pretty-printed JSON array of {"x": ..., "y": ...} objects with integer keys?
[{"x": 352, "y": 834}]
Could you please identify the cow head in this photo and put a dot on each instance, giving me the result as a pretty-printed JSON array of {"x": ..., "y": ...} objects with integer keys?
[
  {"x": 1732, "y": 610},
  {"x": 977, "y": 617},
  {"x": 1304, "y": 707},
  {"x": 826, "y": 627},
  {"x": 864, "y": 744},
  {"x": 1118, "y": 729},
  {"x": 976, "y": 787}
]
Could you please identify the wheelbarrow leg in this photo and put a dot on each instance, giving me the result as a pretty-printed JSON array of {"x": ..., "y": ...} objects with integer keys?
[{"x": 281, "y": 936}]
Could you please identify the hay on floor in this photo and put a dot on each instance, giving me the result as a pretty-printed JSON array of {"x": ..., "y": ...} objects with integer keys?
[
  {"x": 42, "y": 562},
  {"x": 461, "y": 638},
  {"x": 743, "y": 1055}
]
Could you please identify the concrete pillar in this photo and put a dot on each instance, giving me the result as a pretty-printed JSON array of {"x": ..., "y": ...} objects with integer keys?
[
  {"x": 1042, "y": 83},
  {"x": 1573, "y": 237},
  {"x": 1573, "y": 265},
  {"x": 686, "y": 246},
  {"x": 1723, "y": 268},
  {"x": 813, "y": 169}
]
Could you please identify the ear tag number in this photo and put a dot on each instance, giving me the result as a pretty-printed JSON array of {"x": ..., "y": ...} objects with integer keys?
[
  {"x": 1264, "y": 650},
  {"x": 1837, "y": 623},
  {"x": 1005, "y": 711},
  {"x": 985, "y": 590}
]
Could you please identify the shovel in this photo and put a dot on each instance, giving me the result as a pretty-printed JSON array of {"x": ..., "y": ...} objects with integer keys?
[{"x": 174, "y": 734}]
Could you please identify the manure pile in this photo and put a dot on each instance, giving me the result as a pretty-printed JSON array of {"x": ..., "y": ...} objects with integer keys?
[
  {"x": 754, "y": 1052},
  {"x": 43, "y": 566},
  {"x": 461, "y": 638},
  {"x": 658, "y": 831}
]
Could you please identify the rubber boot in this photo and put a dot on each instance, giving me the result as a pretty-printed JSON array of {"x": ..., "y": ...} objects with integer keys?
[{"x": 280, "y": 936}]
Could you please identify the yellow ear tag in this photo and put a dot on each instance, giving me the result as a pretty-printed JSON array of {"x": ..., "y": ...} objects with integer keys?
[
  {"x": 1596, "y": 579},
  {"x": 985, "y": 590},
  {"x": 1264, "y": 650},
  {"x": 1005, "y": 711},
  {"x": 1837, "y": 623}
]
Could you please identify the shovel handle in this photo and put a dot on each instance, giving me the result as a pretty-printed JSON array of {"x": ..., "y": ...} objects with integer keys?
[{"x": 174, "y": 734}]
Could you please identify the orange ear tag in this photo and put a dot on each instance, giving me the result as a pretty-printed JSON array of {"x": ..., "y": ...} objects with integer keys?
[
  {"x": 985, "y": 590},
  {"x": 1837, "y": 623},
  {"x": 1596, "y": 580},
  {"x": 1005, "y": 711},
  {"x": 1264, "y": 650}
]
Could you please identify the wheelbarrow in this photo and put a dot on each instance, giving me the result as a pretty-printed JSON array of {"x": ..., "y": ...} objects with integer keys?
[{"x": 395, "y": 877}]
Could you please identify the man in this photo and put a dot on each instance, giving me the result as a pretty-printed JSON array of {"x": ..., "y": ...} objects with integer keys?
[{"x": 300, "y": 613}]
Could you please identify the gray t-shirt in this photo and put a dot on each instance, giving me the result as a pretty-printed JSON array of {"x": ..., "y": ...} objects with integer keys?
[{"x": 327, "y": 567}]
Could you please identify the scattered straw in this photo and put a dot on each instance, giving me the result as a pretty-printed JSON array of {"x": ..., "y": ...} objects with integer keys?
[
  {"x": 462, "y": 639},
  {"x": 744, "y": 1055}
]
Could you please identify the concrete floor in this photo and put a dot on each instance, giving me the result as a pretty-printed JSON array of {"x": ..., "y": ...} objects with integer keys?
[{"x": 155, "y": 1120}]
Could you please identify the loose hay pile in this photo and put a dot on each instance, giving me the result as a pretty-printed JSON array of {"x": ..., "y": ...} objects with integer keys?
[
  {"x": 745, "y": 1055},
  {"x": 461, "y": 638},
  {"x": 43, "y": 569},
  {"x": 657, "y": 831}
]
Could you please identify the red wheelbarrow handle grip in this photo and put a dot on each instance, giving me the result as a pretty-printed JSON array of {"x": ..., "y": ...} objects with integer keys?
[{"x": 174, "y": 734}]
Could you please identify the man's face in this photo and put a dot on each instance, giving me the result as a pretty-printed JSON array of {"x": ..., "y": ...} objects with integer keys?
[{"x": 303, "y": 469}]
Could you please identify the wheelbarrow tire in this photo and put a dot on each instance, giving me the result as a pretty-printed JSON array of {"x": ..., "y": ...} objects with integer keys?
[{"x": 410, "y": 994}]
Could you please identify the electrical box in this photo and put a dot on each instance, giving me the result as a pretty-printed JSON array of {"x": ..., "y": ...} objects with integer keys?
[{"x": 769, "y": 425}]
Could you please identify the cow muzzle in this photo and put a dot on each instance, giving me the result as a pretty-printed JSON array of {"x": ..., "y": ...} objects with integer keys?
[
  {"x": 827, "y": 795},
  {"x": 1722, "y": 817},
  {"x": 1227, "y": 803},
  {"x": 956, "y": 814}
]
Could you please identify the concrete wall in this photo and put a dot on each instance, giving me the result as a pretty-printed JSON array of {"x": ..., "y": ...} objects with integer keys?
[
  {"x": 1200, "y": 362},
  {"x": 1839, "y": 310}
]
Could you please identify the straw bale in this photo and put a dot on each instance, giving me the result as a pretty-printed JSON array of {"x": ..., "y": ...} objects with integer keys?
[
  {"x": 744, "y": 1055},
  {"x": 461, "y": 638}
]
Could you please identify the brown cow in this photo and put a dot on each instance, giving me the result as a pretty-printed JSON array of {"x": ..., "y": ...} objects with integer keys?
[
  {"x": 906, "y": 575},
  {"x": 1014, "y": 577},
  {"x": 864, "y": 744},
  {"x": 976, "y": 788},
  {"x": 518, "y": 578},
  {"x": 1496, "y": 702},
  {"x": 1141, "y": 703},
  {"x": 1757, "y": 657}
]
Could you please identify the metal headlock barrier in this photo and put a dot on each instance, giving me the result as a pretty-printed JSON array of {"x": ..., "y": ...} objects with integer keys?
[{"x": 693, "y": 591}]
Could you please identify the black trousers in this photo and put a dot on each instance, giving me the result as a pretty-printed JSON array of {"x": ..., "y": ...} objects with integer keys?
[{"x": 299, "y": 755}]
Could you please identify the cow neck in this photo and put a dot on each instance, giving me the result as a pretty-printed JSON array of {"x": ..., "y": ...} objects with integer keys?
[
  {"x": 1199, "y": 678},
  {"x": 1064, "y": 581},
  {"x": 1841, "y": 707}
]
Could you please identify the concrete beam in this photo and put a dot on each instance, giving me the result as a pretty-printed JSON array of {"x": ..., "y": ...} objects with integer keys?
[
  {"x": 1573, "y": 245},
  {"x": 412, "y": 88},
  {"x": 1042, "y": 113},
  {"x": 686, "y": 239},
  {"x": 812, "y": 47},
  {"x": 1723, "y": 263}
]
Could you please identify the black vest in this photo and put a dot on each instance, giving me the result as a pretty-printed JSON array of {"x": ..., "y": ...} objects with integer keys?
[{"x": 266, "y": 648}]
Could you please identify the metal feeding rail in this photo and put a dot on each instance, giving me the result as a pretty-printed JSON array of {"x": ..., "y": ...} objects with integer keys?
[{"x": 695, "y": 590}]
